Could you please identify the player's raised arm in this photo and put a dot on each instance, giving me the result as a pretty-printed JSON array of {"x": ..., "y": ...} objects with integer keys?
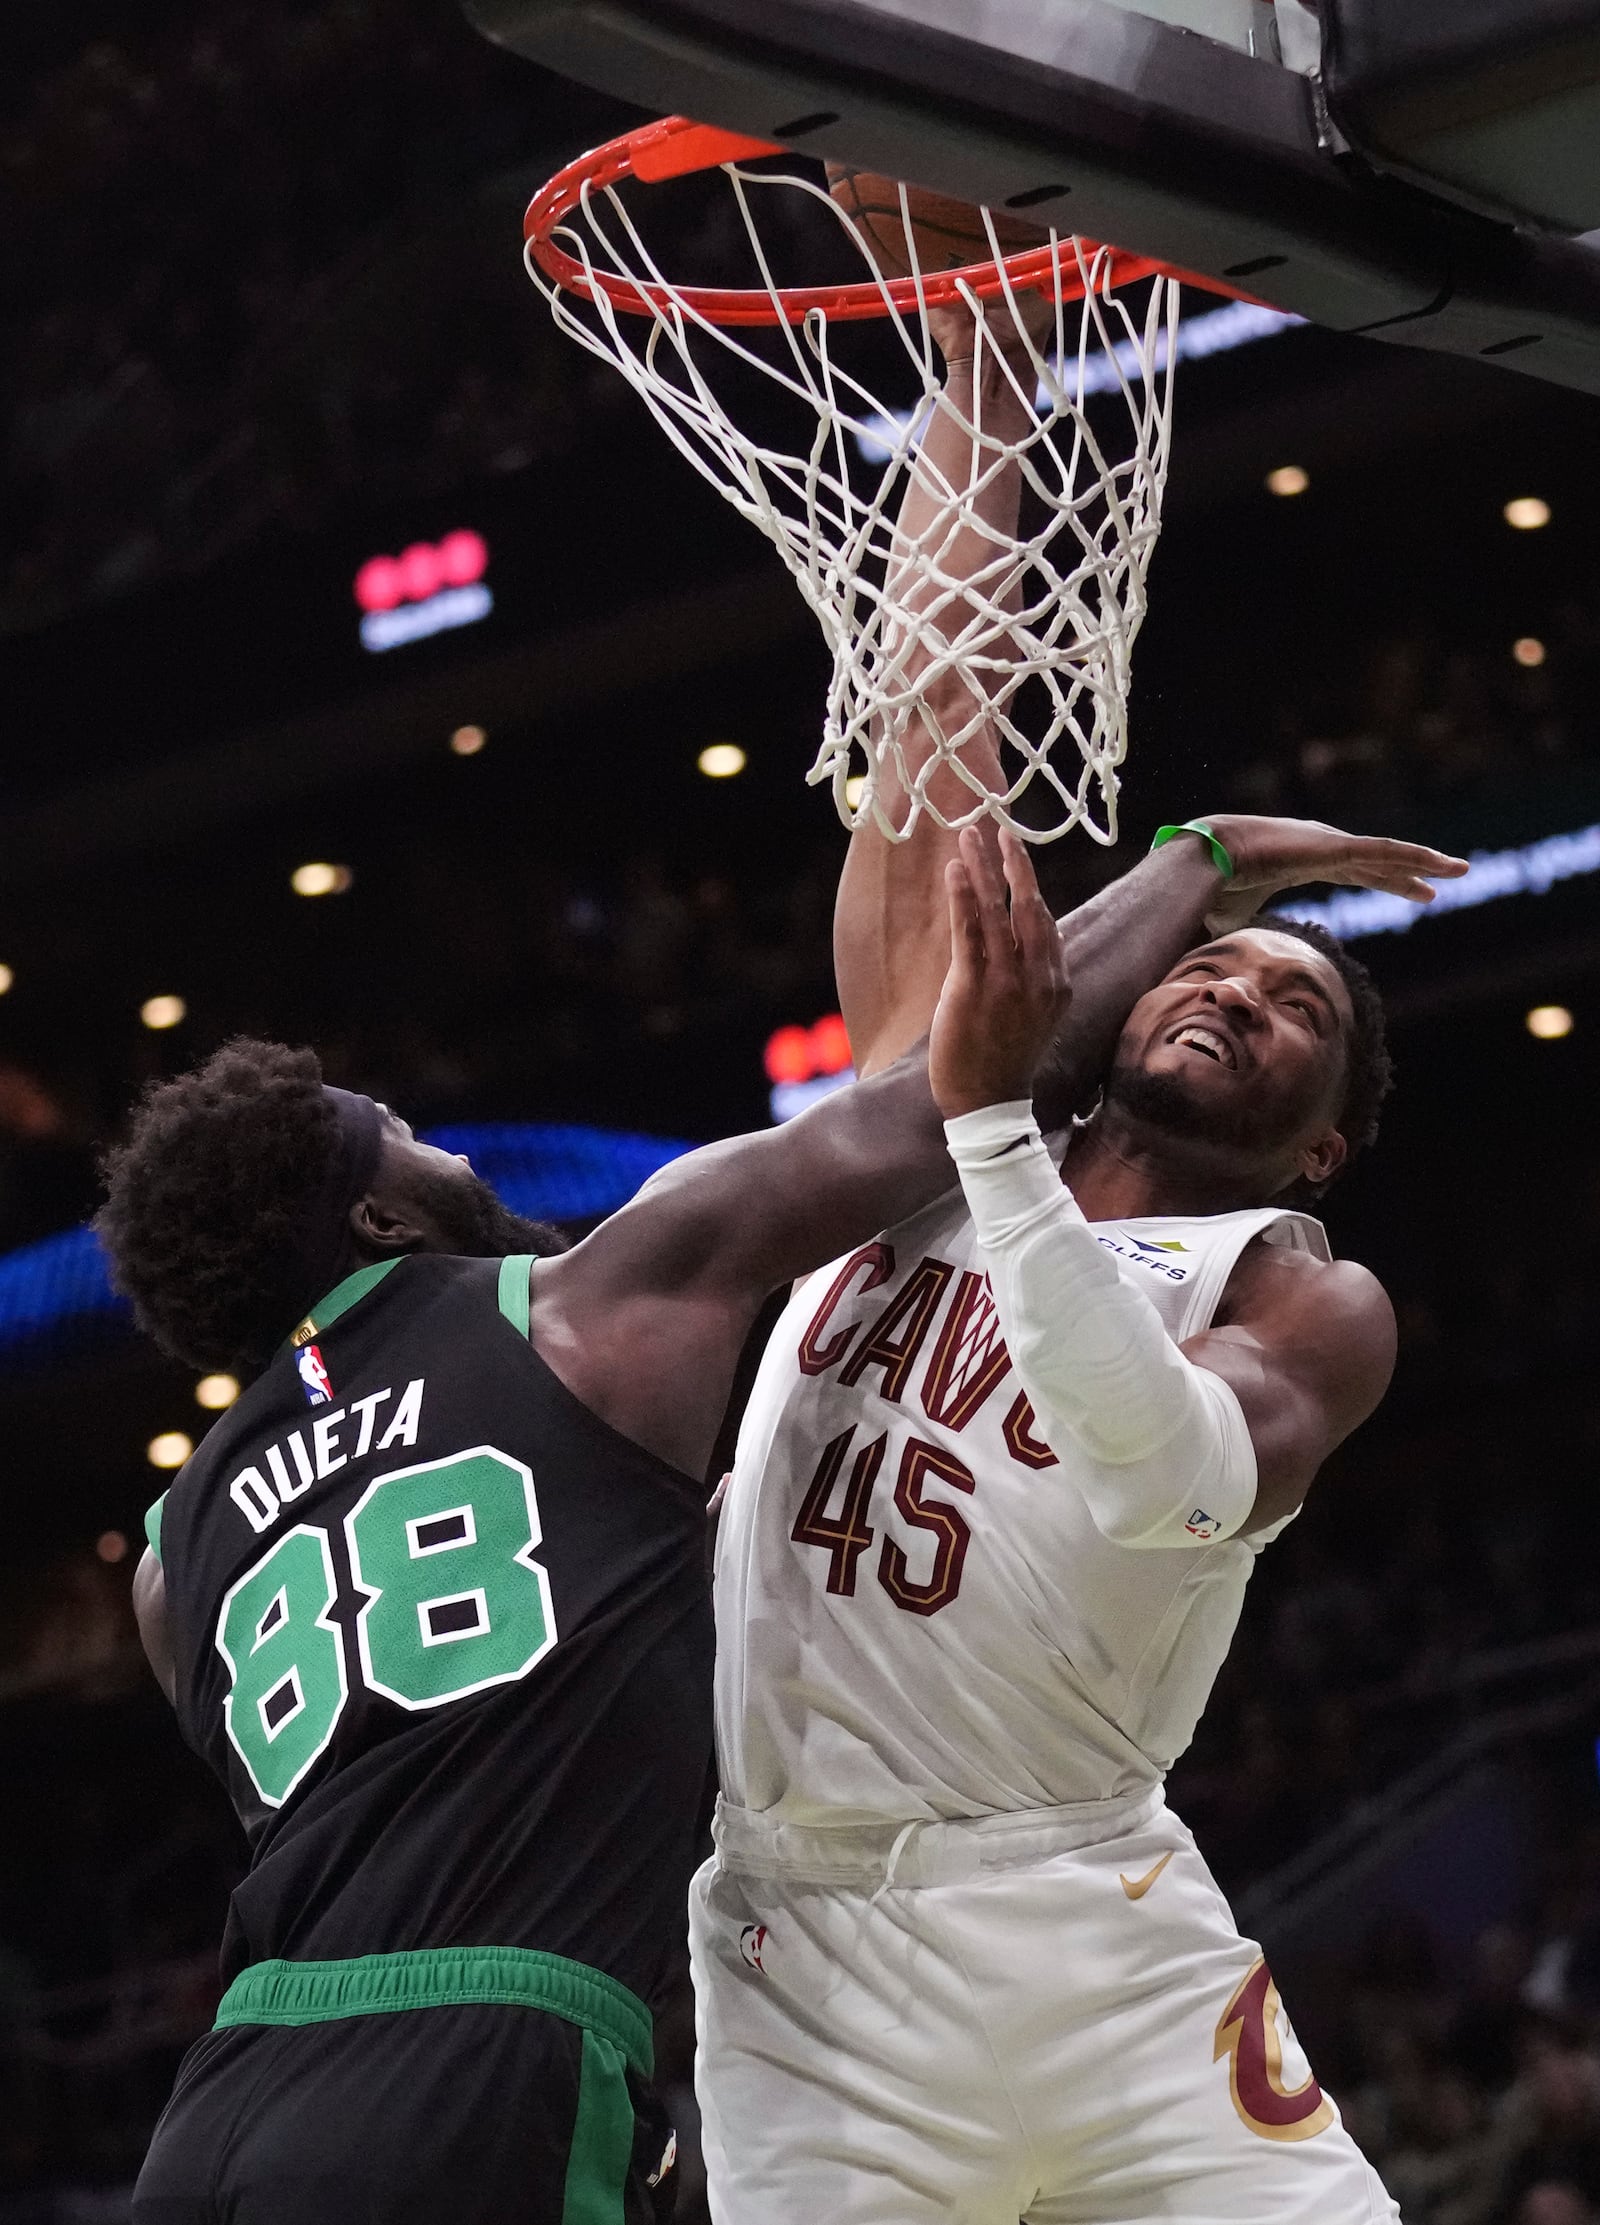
[
  {"x": 690, "y": 1261},
  {"x": 960, "y": 565},
  {"x": 1128, "y": 935},
  {"x": 1174, "y": 1447},
  {"x": 958, "y": 529},
  {"x": 684, "y": 1269},
  {"x": 957, "y": 526}
]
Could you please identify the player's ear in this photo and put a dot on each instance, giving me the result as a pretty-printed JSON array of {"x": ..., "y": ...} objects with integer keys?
[
  {"x": 382, "y": 1228},
  {"x": 1322, "y": 1157}
]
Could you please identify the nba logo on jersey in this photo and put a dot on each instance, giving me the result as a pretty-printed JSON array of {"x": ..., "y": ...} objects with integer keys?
[{"x": 313, "y": 1376}]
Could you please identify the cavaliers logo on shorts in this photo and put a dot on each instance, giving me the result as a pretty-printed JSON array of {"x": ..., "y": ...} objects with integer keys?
[{"x": 1250, "y": 2034}]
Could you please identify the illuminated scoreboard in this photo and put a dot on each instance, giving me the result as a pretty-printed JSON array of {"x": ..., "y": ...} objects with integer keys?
[
  {"x": 429, "y": 588},
  {"x": 805, "y": 1063}
]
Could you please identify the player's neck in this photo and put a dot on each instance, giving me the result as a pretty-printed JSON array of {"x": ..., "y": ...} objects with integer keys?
[{"x": 1123, "y": 1171}]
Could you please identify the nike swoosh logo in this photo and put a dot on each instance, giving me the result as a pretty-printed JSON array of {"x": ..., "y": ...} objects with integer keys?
[{"x": 1137, "y": 1887}]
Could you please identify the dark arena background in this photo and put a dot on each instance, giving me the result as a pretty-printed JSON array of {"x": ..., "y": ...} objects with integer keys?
[{"x": 512, "y": 826}]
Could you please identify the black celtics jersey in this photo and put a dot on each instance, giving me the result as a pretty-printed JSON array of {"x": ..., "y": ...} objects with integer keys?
[{"x": 446, "y": 1638}]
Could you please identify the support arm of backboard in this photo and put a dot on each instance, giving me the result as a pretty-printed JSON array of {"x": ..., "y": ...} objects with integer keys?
[{"x": 1107, "y": 122}]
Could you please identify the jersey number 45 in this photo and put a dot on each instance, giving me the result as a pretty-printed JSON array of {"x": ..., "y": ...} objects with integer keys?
[
  {"x": 846, "y": 1535},
  {"x": 452, "y": 1603}
]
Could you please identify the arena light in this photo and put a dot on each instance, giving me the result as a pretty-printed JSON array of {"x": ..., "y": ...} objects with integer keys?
[
  {"x": 6, "y": 979},
  {"x": 1527, "y": 513},
  {"x": 1549, "y": 1022},
  {"x": 111, "y": 1546},
  {"x": 1287, "y": 480},
  {"x": 214, "y": 1392},
  {"x": 428, "y": 588},
  {"x": 170, "y": 1450},
  {"x": 806, "y": 1063},
  {"x": 466, "y": 741},
  {"x": 1528, "y": 651},
  {"x": 320, "y": 879},
  {"x": 158, "y": 1013},
  {"x": 722, "y": 760},
  {"x": 1532, "y": 870},
  {"x": 854, "y": 789}
]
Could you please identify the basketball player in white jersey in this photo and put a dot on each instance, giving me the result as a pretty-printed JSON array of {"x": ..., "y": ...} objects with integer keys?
[{"x": 1002, "y": 1479}]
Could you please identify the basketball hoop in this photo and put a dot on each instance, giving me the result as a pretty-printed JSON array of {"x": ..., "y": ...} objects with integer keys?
[{"x": 1043, "y": 631}]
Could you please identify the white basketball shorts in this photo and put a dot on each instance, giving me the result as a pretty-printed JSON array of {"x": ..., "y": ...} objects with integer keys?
[{"x": 1019, "y": 2017}]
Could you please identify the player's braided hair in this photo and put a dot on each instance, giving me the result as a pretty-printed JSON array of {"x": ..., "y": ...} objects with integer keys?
[
  {"x": 1369, "y": 1075},
  {"x": 219, "y": 1170}
]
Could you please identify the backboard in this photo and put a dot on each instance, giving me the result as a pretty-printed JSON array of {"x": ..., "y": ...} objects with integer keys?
[{"x": 1419, "y": 170}]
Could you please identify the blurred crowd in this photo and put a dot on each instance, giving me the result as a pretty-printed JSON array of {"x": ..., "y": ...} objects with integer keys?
[
  {"x": 1421, "y": 1588},
  {"x": 1474, "y": 2084},
  {"x": 1417, "y": 720},
  {"x": 243, "y": 288},
  {"x": 639, "y": 993}
]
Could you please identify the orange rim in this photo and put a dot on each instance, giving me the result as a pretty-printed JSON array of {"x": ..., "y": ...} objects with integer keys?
[{"x": 677, "y": 146}]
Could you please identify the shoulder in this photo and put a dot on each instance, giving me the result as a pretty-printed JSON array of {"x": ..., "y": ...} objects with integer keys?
[
  {"x": 1333, "y": 1313},
  {"x": 1274, "y": 1272}
]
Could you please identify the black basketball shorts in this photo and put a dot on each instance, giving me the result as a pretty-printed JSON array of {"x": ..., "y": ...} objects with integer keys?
[{"x": 445, "y": 2115}]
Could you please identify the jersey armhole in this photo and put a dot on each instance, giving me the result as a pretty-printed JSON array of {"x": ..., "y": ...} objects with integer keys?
[
  {"x": 514, "y": 1273},
  {"x": 152, "y": 1526}
]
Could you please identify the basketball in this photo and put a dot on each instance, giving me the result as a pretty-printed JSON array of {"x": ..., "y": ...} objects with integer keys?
[{"x": 948, "y": 234}]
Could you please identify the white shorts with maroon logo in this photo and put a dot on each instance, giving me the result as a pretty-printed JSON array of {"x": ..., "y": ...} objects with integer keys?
[{"x": 1048, "y": 2016}]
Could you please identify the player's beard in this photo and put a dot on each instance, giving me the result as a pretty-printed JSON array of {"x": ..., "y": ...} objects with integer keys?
[
  {"x": 1161, "y": 1102},
  {"x": 476, "y": 1225}
]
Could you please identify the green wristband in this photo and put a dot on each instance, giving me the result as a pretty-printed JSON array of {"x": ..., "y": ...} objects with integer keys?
[{"x": 1219, "y": 855}]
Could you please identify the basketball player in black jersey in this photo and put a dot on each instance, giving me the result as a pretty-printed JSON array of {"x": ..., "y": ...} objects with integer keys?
[{"x": 430, "y": 1598}]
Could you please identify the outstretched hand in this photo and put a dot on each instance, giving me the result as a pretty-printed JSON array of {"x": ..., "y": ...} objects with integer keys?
[
  {"x": 1006, "y": 992},
  {"x": 1270, "y": 855}
]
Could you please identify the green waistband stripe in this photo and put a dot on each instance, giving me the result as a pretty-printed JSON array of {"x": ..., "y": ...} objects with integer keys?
[
  {"x": 442, "y": 1977},
  {"x": 152, "y": 1525},
  {"x": 601, "y": 2153}
]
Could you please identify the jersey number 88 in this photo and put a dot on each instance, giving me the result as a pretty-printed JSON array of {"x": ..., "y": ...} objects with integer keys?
[{"x": 454, "y": 1602}]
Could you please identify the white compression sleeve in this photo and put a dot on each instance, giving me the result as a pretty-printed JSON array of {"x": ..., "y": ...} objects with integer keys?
[{"x": 1163, "y": 1450}]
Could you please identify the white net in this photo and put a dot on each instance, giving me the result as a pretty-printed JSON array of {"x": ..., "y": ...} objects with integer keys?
[{"x": 979, "y": 668}]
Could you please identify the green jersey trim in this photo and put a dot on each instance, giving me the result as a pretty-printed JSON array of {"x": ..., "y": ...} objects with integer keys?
[
  {"x": 152, "y": 1525},
  {"x": 442, "y": 1977},
  {"x": 514, "y": 1273},
  {"x": 340, "y": 1299}
]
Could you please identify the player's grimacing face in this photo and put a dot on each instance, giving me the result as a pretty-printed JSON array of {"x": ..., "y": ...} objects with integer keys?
[{"x": 1251, "y": 1033}]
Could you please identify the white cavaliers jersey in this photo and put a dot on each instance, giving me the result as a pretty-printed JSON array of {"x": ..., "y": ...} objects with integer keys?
[{"x": 917, "y": 1618}]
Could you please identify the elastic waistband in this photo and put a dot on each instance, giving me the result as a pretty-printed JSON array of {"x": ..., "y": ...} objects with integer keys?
[
  {"x": 442, "y": 1977},
  {"x": 887, "y": 1854}
]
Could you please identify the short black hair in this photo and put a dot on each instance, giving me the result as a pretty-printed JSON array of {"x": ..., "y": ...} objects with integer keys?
[
  {"x": 1369, "y": 1072},
  {"x": 206, "y": 1196}
]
